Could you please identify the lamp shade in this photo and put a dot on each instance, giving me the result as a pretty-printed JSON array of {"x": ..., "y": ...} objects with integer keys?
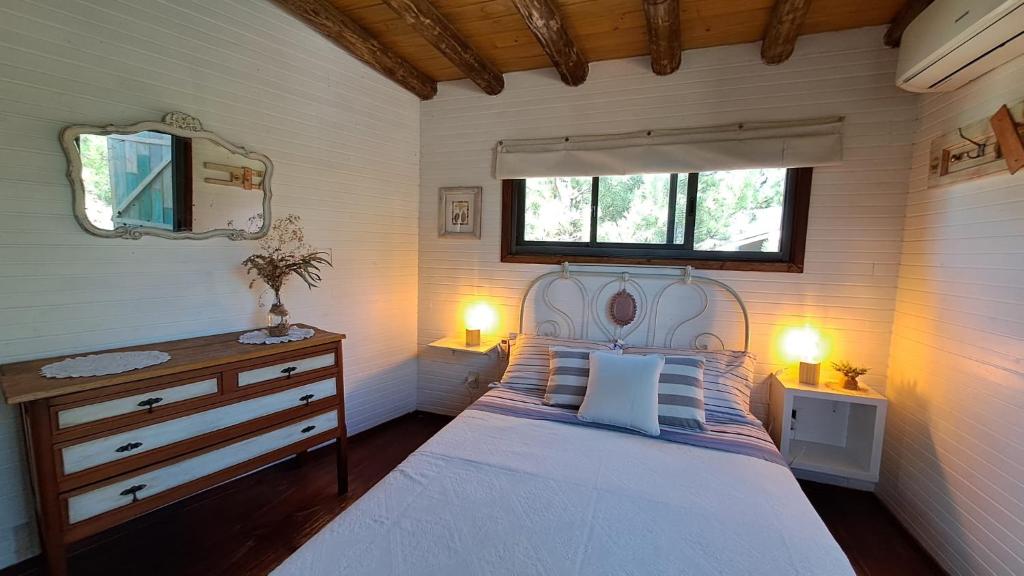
[
  {"x": 480, "y": 316},
  {"x": 803, "y": 344}
]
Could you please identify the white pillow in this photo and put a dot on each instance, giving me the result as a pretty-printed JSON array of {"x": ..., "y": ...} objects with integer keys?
[{"x": 623, "y": 391}]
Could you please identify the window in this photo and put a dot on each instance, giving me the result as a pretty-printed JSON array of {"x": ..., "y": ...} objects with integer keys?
[{"x": 738, "y": 219}]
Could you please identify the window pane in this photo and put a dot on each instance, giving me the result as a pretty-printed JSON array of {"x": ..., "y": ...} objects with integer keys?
[
  {"x": 633, "y": 209},
  {"x": 681, "y": 188},
  {"x": 740, "y": 210},
  {"x": 557, "y": 210}
]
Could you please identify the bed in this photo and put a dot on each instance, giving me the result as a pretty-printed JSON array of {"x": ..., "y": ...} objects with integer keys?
[{"x": 514, "y": 486}]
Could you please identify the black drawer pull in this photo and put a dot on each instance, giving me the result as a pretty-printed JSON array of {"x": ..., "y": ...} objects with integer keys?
[
  {"x": 288, "y": 371},
  {"x": 129, "y": 447},
  {"x": 150, "y": 402},
  {"x": 133, "y": 491},
  {"x": 306, "y": 398},
  {"x": 308, "y": 429}
]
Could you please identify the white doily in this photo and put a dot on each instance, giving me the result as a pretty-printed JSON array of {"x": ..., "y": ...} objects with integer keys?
[
  {"x": 262, "y": 337},
  {"x": 102, "y": 364}
]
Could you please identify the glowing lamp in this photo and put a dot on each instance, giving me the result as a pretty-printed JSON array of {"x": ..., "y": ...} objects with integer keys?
[
  {"x": 805, "y": 344},
  {"x": 479, "y": 317}
]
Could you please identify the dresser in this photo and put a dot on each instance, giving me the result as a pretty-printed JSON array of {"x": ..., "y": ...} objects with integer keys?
[{"x": 106, "y": 449}]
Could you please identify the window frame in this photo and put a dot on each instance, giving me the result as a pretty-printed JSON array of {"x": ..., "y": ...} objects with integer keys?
[{"x": 790, "y": 258}]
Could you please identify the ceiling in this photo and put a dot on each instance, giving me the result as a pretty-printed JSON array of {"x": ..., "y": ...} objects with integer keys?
[{"x": 602, "y": 29}]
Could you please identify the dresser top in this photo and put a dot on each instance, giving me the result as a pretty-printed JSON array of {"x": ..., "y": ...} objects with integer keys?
[{"x": 22, "y": 382}]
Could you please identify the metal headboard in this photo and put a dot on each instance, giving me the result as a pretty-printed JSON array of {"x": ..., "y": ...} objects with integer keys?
[{"x": 593, "y": 321}]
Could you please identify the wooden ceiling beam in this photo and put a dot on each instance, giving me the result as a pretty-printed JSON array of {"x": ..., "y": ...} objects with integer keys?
[
  {"x": 331, "y": 22},
  {"x": 543, "y": 20},
  {"x": 910, "y": 10},
  {"x": 783, "y": 29},
  {"x": 664, "y": 35},
  {"x": 435, "y": 29}
]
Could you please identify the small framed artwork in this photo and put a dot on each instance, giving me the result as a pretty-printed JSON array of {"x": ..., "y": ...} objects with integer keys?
[{"x": 459, "y": 213}]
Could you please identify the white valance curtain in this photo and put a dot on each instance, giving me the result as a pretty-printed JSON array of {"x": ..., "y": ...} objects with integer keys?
[{"x": 790, "y": 144}]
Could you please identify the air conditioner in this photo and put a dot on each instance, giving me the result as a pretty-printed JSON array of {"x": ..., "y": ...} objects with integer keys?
[{"x": 954, "y": 41}]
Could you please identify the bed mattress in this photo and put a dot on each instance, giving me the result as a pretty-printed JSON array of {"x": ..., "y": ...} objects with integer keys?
[{"x": 494, "y": 493}]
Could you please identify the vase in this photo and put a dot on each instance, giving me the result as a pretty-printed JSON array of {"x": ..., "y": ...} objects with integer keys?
[
  {"x": 277, "y": 318},
  {"x": 850, "y": 383}
]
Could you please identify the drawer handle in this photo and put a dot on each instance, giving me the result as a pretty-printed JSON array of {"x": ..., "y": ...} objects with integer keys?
[
  {"x": 133, "y": 491},
  {"x": 308, "y": 429},
  {"x": 129, "y": 447},
  {"x": 150, "y": 402},
  {"x": 288, "y": 371},
  {"x": 306, "y": 398}
]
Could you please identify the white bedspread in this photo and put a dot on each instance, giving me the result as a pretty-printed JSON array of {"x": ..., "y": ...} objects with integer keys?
[{"x": 494, "y": 494}]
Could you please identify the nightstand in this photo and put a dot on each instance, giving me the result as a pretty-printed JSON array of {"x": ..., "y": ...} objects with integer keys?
[{"x": 828, "y": 434}]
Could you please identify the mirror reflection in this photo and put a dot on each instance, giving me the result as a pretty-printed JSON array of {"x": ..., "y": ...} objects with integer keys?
[
  {"x": 166, "y": 181},
  {"x": 143, "y": 179}
]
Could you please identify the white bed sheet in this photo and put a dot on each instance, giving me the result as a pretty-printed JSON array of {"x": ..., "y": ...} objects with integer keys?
[{"x": 494, "y": 494}]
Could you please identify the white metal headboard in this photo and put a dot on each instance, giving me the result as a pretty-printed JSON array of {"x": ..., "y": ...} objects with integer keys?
[{"x": 581, "y": 309}]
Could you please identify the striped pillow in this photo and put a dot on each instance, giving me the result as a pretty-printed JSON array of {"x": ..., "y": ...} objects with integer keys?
[
  {"x": 728, "y": 379},
  {"x": 681, "y": 393},
  {"x": 528, "y": 361},
  {"x": 569, "y": 373}
]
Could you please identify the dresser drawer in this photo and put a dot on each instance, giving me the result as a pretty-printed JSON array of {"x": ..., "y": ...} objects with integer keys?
[
  {"x": 137, "y": 488},
  {"x": 285, "y": 369},
  {"x": 141, "y": 402},
  {"x": 85, "y": 455}
]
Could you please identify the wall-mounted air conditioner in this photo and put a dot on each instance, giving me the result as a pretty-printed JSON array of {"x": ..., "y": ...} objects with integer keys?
[{"x": 954, "y": 41}]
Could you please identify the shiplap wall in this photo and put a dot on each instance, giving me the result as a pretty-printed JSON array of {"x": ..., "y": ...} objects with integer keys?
[
  {"x": 856, "y": 213},
  {"x": 953, "y": 466},
  {"x": 345, "y": 143}
]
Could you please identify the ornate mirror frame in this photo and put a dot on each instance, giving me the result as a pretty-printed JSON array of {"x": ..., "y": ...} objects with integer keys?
[{"x": 175, "y": 124}]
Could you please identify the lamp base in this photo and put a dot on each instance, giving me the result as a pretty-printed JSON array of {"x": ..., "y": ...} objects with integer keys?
[
  {"x": 472, "y": 337},
  {"x": 810, "y": 373}
]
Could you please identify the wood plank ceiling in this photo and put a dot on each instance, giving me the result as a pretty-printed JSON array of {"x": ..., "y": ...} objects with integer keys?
[{"x": 443, "y": 39}]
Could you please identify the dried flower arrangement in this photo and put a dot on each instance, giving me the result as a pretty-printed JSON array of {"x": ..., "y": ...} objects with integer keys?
[
  {"x": 283, "y": 252},
  {"x": 851, "y": 373}
]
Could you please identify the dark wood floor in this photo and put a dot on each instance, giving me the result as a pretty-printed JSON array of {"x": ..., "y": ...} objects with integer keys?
[
  {"x": 251, "y": 524},
  {"x": 875, "y": 542}
]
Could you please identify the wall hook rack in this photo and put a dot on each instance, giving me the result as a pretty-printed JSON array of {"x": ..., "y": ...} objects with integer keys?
[
  {"x": 979, "y": 148},
  {"x": 238, "y": 176}
]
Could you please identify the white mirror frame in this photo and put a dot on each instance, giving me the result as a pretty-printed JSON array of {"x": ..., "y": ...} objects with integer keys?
[{"x": 176, "y": 124}]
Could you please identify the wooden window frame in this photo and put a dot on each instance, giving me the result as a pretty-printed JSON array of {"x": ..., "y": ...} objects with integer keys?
[{"x": 789, "y": 259}]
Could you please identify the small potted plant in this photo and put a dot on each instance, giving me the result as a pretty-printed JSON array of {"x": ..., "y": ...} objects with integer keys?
[
  {"x": 284, "y": 252},
  {"x": 851, "y": 373}
]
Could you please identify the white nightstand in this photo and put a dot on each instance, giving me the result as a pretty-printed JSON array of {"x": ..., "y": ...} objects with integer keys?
[{"x": 828, "y": 434}]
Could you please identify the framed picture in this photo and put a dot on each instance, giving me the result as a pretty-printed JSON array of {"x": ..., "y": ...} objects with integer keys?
[{"x": 459, "y": 213}]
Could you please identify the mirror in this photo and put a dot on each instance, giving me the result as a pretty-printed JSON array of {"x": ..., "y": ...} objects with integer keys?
[{"x": 170, "y": 179}]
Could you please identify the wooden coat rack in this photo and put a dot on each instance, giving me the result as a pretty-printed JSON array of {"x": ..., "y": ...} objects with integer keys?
[
  {"x": 986, "y": 146},
  {"x": 238, "y": 176}
]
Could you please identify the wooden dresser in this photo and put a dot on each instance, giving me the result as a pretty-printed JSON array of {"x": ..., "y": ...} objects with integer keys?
[{"x": 108, "y": 448}]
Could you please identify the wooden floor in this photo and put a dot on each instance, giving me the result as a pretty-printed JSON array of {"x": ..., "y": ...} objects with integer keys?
[
  {"x": 874, "y": 541},
  {"x": 251, "y": 524}
]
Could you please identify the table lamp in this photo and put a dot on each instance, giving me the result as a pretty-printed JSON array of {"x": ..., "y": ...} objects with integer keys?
[
  {"x": 805, "y": 344},
  {"x": 479, "y": 317}
]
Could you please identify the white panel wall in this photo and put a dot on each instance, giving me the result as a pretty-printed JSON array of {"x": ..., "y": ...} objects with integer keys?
[
  {"x": 345, "y": 143},
  {"x": 856, "y": 213},
  {"x": 953, "y": 468}
]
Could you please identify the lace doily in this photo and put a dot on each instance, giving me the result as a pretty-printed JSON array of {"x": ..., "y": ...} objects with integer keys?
[
  {"x": 261, "y": 336},
  {"x": 103, "y": 364}
]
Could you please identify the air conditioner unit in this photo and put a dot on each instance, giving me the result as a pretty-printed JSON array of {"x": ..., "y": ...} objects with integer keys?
[{"x": 954, "y": 41}]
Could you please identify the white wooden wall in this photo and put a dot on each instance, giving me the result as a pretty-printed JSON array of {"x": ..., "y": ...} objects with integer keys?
[
  {"x": 345, "y": 143},
  {"x": 953, "y": 468},
  {"x": 856, "y": 214}
]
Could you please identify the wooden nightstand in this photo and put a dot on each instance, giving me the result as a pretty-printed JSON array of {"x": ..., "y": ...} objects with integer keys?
[{"x": 828, "y": 434}]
